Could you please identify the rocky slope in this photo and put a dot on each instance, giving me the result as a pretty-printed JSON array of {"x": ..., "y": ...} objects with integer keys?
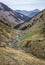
[
  {"x": 37, "y": 19},
  {"x": 10, "y": 17}
]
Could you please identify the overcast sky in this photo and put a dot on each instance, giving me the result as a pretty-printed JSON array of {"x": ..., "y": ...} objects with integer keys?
[{"x": 25, "y": 4}]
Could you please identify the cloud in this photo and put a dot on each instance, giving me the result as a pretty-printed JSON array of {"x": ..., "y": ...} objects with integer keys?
[
  {"x": 25, "y": 4},
  {"x": 22, "y": 1},
  {"x": 18, "y": 1}
]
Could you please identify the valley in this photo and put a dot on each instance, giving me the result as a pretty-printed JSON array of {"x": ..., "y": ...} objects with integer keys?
[{"x": 22, "y": 39}]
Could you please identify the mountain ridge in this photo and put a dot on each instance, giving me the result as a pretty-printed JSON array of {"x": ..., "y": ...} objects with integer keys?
[
  {"x": 34, "y": 17},
  {"x": 29, "y": 13}
]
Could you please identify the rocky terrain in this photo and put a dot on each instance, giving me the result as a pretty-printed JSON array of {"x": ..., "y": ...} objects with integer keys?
[{"x": 10, "y": 17}]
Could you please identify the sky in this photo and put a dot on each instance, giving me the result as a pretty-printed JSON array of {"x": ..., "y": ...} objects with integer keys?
[{"x": 25, "y": 4}]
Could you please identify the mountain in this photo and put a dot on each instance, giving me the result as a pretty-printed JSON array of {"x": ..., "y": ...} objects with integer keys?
[
  {"x": 33, "y": 39},
  {"x": 25, "y": 46},
  {"x": 15, "y": 55},
  {"x": 11, "y": 18},
  {"x": 33, "y": 20},
  {"x": 29, "y": 13},
  {"x": 20, "y": 53}
]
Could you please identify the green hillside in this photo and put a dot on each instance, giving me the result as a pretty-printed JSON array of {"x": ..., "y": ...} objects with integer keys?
[
  {"x": 6, "y": 33},
  {"x": 33, "y": 40}
]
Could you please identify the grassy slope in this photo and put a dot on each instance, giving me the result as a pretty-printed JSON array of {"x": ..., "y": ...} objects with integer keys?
[
  {"x": 6, "y": 33},
  {"x": 39, "y": 17},
  {"x": 30, "y": 42},
  {"x": 9, "y": 56},
  {"x": 34, "y": 38}
]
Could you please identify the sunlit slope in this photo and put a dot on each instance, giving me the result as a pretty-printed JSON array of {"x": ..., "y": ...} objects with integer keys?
[
  {"x": 39, "y": 18},
  {"x": 9, "y": 56},
  {"x": 33, "y": 40}
]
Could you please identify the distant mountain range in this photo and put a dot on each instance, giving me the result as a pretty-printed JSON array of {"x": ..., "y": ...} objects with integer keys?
[{"x": 29, "y": 13}]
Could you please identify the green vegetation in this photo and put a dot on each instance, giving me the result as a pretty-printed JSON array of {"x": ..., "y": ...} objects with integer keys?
[
  {"x": 6, "y": 33},
  {"x": 33, "y": 40}
]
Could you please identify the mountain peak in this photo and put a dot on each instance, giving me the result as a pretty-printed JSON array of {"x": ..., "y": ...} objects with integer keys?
[{"x": 36, "y": 10}]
